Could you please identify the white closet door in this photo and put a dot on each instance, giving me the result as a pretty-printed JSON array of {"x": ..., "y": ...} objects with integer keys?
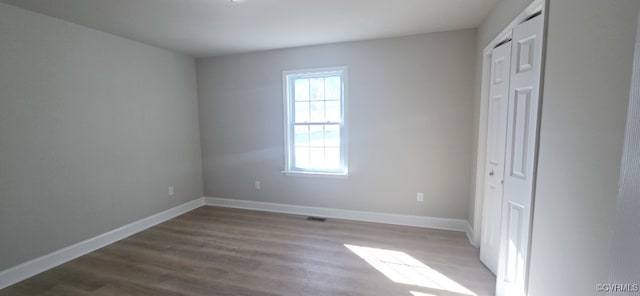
[
  {"x": 522, "y": 128},
  {"x": 494, "y": 161}
]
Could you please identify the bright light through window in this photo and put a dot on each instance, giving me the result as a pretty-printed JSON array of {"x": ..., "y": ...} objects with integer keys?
[{"x": 315, "y": 121}]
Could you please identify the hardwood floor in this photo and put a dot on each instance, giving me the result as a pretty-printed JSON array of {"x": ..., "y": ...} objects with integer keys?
[{"x": 221, "y": 251}]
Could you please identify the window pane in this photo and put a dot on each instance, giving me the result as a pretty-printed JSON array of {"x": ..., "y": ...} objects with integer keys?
[
  {"x": 301, "y": 89},
  {"x": 317, "y": 112},
  {"x": 317, "y": 88},
  {"x": 316, "y": 157},
  {"x": 332, "y": 88},
  {"x": 302, "y": 112},
  {"x": 316, "y": 138},
  {"x": 333, "y": 111},
  {"x": 332, "y": 136},
  {"x": 301, "y": 136},
  {"x": 332, "y": 158},
  {"x": 302, "y": 157}
]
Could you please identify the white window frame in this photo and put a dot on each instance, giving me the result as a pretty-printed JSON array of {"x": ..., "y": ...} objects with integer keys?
[{"x": 289, "y": 122}]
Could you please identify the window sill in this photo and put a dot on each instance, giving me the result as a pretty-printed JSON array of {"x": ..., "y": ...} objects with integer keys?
[{"x": 316, "y": 174}]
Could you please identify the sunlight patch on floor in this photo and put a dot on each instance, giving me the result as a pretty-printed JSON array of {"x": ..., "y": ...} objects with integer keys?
[{"x": 404, "y": 269}]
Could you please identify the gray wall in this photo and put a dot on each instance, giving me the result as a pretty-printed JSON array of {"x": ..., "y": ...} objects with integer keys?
[
  {"x": 409, "y": 122},
  {"x": 586, "y": 91},
  {"x": 624, "y": 266},
  {"x": 93, "y": 128}
]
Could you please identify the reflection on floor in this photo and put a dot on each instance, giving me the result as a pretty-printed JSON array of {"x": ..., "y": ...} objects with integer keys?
[{"x": 404, "y": 269}]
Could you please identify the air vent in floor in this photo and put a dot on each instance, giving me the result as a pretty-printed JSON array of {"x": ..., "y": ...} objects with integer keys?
[{"x": 316, "y": 219}]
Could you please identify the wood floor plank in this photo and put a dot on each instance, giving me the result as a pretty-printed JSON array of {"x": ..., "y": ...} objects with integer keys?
[{"x": 222, "y": 251}]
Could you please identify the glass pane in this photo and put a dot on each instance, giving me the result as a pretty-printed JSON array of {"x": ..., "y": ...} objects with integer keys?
[
  {"x": 332, "y": 158},
  {"x": 316, "y": 157},
  {"x": 301, "y": 136},
  {"x": 332, "y": 88},
  {"x": 317, "y": 112},
  {"x": 301, "y": 157},
  {"x": 332, "y": 136},
  {"x": 302, "y": 111},
  {"x": 301, "y": 89},
  {"x": 333, "y": 111},
  {"x": 316, "y": 138},
  {"x": 317, "y": 88}
]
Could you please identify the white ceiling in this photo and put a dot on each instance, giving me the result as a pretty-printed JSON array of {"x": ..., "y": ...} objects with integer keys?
[{"x": 216, "y": 27}]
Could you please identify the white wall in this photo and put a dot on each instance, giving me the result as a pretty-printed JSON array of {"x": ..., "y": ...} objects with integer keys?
[
  {"x": 93, "y": 128},
  {"x": 584, "y": 106},
  {"x": 410, "y": 114}
]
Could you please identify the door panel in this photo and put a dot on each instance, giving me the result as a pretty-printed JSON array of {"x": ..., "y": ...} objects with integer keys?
[
  {"x": 522, "y": 127},
  {"x": 519, "y": 140},
  {"x": 496, "y": 141},
  {"x": 515, "y": 239}
]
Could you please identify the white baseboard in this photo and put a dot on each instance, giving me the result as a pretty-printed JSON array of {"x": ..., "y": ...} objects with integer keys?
[
  {"x": 30, "y": 268},
  {"x": 397, "y": 219},
  {"x": 470, "y": 235}
]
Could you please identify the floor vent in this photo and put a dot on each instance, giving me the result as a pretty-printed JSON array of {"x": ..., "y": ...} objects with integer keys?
[{"x": 316, "y": 219}]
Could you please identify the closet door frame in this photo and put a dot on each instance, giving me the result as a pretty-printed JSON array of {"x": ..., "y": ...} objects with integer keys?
[{"x": 535, "y": 7}]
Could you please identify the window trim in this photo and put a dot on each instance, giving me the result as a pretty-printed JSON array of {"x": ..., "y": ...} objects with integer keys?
[{"x": 289, "y": 168}]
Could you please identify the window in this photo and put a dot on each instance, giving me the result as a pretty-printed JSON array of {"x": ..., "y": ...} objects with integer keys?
[{"x": 315, "y": 135}]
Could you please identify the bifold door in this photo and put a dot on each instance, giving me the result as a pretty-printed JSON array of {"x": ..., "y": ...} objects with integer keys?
[{"x": 519, "y": 178}]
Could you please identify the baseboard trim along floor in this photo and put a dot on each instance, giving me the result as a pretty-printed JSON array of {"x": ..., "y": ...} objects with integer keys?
[
  {"x": 376, "y": 217},
  {"x": 30, "y": 268}
]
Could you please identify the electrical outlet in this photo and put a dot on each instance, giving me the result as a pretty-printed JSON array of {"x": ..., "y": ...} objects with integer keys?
[
  {"x": 257, "y": 185},
  {"x": 170, "y": 190},
  {"x": 420, "y": 197}
]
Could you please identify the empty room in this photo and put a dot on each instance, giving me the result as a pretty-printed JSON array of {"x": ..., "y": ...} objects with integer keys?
[{"x": 300, "y": 147}]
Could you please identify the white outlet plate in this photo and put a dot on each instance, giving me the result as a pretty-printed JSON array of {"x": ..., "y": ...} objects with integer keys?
[
  {"x": 420, "y": 197},
  {"x": 171, "y": 191},
  {"x": 257, "y": 185}
]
